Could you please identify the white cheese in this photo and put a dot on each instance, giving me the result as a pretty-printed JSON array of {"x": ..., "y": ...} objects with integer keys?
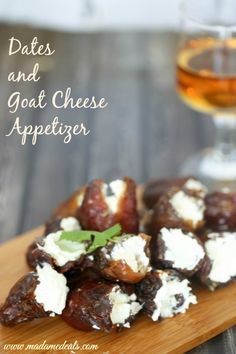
[
  {"x": 132, "y": 251},
  {"x": 123, "y": 306},
  {"x": 188, "y": 208},
  {"x": 181, "y": 249},
  {"x": 70, "y": 224},
  {"x": 62, "y": 251},
  {"x": 51, "y": 292},
  {"x": 165, "y": 299},
  {"x": 222, "y": 250},
  {"x": 91, "y": 257},
  {"x": 96, "y": 327},
  {"x": 193, "y": 184},
  {"x": 117, "y": 188},
  {"x": 127, "y": 325}
]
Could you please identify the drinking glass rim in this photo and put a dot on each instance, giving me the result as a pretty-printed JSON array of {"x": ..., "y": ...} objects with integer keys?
[{"x": 202, "y": 24}]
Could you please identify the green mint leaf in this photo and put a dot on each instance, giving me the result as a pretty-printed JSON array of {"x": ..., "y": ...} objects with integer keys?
[
  {"x": 77, "y": 236},
  {"x": 99, "y": 239},
  {"x": 104, "y": 237}
]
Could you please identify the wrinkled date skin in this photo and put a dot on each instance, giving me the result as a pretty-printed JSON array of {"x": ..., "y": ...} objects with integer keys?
[
  {"x": 94, "y": 213},
  {"x": 75, "y": 277},
  {"x": 165, "y": 216},
  {"x": 119, "y": 270},
  {"x": 146, "y": 290},
  {"x": 220, "y": 213},
  {"x": 35, "y": 256},
  {"x": 89, "y": 306},
  {"x": 204, "y": 272},
  {"x": 155, "y": 189},
  {"x": 52, "y": 226},
  {"x": 20, "y": 305}
]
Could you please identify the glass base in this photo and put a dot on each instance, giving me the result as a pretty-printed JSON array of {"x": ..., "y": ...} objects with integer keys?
[{"x": 214, "y": 170}]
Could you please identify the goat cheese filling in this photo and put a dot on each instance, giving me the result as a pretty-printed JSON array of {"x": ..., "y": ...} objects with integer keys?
[
  {"x": 193, "y": 184},
  {"x": 51, "y": 292},
  {"x": 188, "y": 208},
  {"x": 70, "y": 224},
  {"x": 181, "y": 249},
  {"x": 221, "y": 249},
  {"x": 124, "y": 306},
  {"x": 131, "y": 250},
  {"x": 96, "y": 327},
  {"x": 166, "y": 299},
  {"x": 112, "y": 193},
  {"x": 62, "y": 251}
]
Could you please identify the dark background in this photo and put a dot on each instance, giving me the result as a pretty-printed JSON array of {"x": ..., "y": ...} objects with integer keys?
[{"x": 145, "y": 132}]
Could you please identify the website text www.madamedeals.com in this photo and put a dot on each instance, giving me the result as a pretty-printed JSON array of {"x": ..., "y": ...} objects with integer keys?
[{"x": 66, "y": 347}]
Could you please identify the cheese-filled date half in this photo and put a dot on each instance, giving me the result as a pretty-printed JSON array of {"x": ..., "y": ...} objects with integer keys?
[
  {"x": 102, "y": 306},
  {"x": 126, "y": 259},
  {"x": 62, "y": 254},
  {"x": 177, "y": 209},
  {"x": 220, "y": 248},
  {"x": 165, "y": 293},
  {"x": 179, "y": 250},
  {"x": 104, "y": 205},
  {"x": 155, "y": 189},
  {"x": 38, "y": 294}
]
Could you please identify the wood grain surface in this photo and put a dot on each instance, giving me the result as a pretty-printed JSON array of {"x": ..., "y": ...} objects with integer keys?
[
  {"x": 211, "y": 316},
  {"x": 145, "y": 132}
]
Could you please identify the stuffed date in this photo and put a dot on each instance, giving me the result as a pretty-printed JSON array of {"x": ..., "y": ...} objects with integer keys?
[
  {"x": 164, "y": 293},
  {"x": 104, "y": 205},
  {"x": 179, "y": 250},
  {"x": 155, "y": 189},
  {"x": 62, "y": 254},
  {"x": 126, "y": 259},
  {"x": 38, "y": 294},
  {"x": 177, "y": 209},
  {"x": 220, "y": 248},
  {"x": 101, "y": 306}
]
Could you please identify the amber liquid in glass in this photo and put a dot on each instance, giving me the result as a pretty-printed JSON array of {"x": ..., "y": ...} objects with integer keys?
[{"x": 206, "y": 75}]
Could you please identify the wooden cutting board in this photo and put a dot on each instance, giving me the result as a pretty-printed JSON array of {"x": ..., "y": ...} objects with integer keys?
[{"x": 214, "y": 313}]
